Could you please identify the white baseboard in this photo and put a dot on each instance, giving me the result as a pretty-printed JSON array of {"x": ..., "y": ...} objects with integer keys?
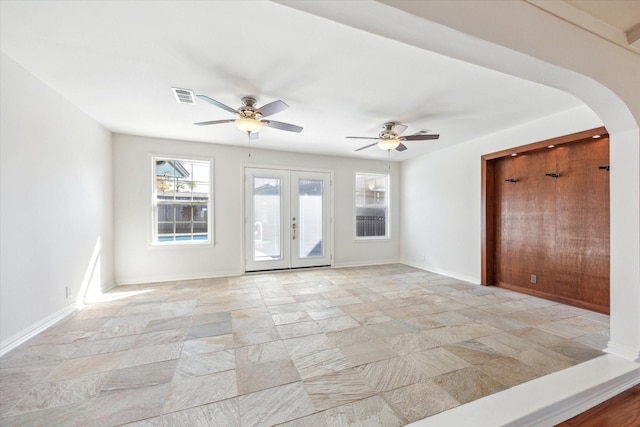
[
  {"x": 545, "y": 401},
  {"x": 364, "y": 264},
  {"x": 25, "y": 335},
  {"x": 624, "y": 351},
  {"x": 431, "y": 269},
  {"x": 176, "y": 277}
]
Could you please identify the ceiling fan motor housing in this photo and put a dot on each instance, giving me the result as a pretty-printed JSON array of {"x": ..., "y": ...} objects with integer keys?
[
  {"x": 388, "y": 132},
  {"x": 248, "y": 110}
]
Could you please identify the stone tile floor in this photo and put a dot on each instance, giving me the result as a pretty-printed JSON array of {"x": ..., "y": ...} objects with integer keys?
[{"x": 369, "y": 346}]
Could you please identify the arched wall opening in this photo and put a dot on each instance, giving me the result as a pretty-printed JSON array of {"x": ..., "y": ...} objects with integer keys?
[{"x": 522, "y": 40}]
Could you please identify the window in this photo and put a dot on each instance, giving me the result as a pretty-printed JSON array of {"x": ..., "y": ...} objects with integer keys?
[
  {"x": 181, "y": 201},
  {"x": 372, "y": 205}
]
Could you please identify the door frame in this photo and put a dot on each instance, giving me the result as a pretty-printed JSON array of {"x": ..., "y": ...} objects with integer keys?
[{"x": 243, "y": 222}]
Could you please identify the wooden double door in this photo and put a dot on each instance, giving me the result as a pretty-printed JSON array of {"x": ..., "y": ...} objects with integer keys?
[{"x": 551, "y": 219}]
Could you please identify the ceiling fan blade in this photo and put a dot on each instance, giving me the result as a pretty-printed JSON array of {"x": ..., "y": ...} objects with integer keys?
[
  {"x": 399, "y": 128},
  {"x": 217, "y": 103},
  {"x": 214, "y": 122},
  {"x": 362, "y": 137},
  {"x": 272, "y": 108},
  {"x": 366, "y": 146},
  {"x": 420, "y": 137},
  {"x": 282, "y": 126},
  {"x": 401, "y": 147}
]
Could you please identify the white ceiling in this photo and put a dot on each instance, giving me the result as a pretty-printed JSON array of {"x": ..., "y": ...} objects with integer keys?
[{"x": 117, "y": 61}]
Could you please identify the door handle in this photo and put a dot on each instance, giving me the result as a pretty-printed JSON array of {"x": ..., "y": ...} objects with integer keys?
[{"x": 294, "y": 228}]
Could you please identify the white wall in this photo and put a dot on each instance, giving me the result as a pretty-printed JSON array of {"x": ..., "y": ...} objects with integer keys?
[
  {"x": 56, "y": 204},
  {"x": 441, "y": 217},
  {"x": 136, "y": 261}
]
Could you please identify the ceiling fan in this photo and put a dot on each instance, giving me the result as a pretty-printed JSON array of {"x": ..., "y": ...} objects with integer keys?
[
  {"x": 249, "y": 117},
  {"x": 390, "y": 139}
]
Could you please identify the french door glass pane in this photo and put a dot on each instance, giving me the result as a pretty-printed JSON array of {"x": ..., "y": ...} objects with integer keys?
[
  {"x": 309, "y": 223},
  {"x": 266, "y": 227}
]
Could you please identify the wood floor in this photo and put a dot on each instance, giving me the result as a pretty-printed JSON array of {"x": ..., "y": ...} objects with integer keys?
[{"x": 622, "y": 410}]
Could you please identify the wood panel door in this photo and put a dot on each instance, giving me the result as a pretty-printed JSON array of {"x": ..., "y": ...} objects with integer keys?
[{"x": 552, "y": 232}]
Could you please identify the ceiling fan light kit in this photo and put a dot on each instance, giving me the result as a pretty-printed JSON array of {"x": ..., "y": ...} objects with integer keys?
[
  {"x": 388, "y": 144},
  {"x": 248, "y": 125}
]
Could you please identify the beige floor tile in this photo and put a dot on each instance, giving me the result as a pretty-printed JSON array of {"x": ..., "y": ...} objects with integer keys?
[
  {"x": 351, "y": 336},
  {"x": 291, "y": 317},
  {"x": 265, "y": 375},
  {"x": 205, "y": 364},
  {"x": 140, "y": 376},
  {"x": 420, "y": 323},
  {"x": 261, "y": 353},
  {"x": 406, "y": 343},
  {"x": 506, "y": 344},
  {"x": 373, "y": 411},
  {"x": 597, "y": 340},
  {"x": 285, "y": 308},
  {"x": 325, "y": 313},
  {"x": 576, "y": 351},
  {"x": 380, "y": 345},
  {"x": 292, "y": 330},
  {"x": 468, "y": 384},
  {"x": 151, "y": 354},
  {"x": 538, "y": 336},
  {"x": 382, "y": 330},
  {"x": 473, "y": 352},
  {"x": 321, "y": 362},
  {"x": 207, "y": 345},
  {"x": 509, "y": 371},
  {"x": 275, "y": 405},
  {"x": 255, "y": 336},
  {"x": 371, "y": 317},
  {"x": 338, "y": 323},
  {"x": 63, "y": 392},
  {"x": 420, "y": 400},
  {"x": 303, "y": 346},
  {"x": 366, "y": 352},
  {"x": 88, "y": 365},
  {"x": 337, "y": 388},
  {"x": 160, "y": 337},
  {"x": 224, "y": 413},
  {"x": 195, "y": 391},
  {"x": 573, "y": 327},
  {"x": 544, "y": 360},
  {"x": 391, "y": 373},
  {"x": 436, "y": 361}
]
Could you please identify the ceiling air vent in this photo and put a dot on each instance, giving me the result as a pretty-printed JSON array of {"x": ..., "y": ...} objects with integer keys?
[{"x": 184, "y": 96}]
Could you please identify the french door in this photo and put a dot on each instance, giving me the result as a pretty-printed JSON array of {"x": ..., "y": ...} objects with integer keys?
[{"x": 287, "y": 219}]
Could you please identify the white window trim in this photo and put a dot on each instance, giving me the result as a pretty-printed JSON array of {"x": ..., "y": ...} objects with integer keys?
[
  {"x": 387, "y": 235},
  {"x": 153, "y": 238}
]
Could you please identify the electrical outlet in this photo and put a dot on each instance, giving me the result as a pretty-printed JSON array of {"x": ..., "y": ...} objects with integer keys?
[
  {"x": 67, "y": 291},
  {"x": 534, "y": 279}
]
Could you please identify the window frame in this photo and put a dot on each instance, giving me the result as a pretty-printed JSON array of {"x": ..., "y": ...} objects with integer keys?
[
  {"x": 387, "y": 205},
  {"x": 153, "y": 158}
]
